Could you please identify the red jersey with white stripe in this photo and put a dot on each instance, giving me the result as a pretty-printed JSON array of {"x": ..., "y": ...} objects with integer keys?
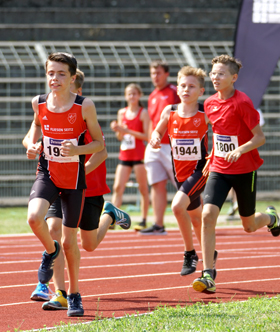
[
  {"x": 189, "y": 142},
  {"x": 157, "y": 101},
  {"x": 132, "y": 148},
  {"x": 65, "y": 172},
  {"x": 232, "y": 121},
  {"x": 96, "y": 180}
]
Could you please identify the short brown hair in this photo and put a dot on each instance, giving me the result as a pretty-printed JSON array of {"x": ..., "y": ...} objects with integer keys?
[
  {"x": 66, "y": 58},
  {"x": 191, "y": 71},
  {"x": 233, "y": 64},
  {"x": 80, "y": 78},
  {"x": 160, "y": 63}
]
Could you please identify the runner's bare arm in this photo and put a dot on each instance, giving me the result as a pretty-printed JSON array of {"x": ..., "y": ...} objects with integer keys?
[
  {"x": 161, "y": 128},
  {"x": 34, "y": 133},
  {"x": 257, "y": 140},
  {"x": 95, "y": 160}
]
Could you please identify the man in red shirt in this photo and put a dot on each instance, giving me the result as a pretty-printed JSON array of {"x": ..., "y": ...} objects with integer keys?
[
  {"x": 234, "y": 161},
  {"x": 158, "y": 161}
]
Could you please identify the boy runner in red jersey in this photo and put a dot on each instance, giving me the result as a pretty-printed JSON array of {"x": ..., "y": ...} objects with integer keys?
[
  {"x": 92, "y": 230},
  {"x": 234, "y": 161},
  {"x": 187, "y": 128},
  {"x": 64, "y": 118}
]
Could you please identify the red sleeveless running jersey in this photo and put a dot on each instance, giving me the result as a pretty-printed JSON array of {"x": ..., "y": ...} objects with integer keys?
[
  {"x": 65, "y": 172},
  {"x": 189, "y": 143},
  {"x": 132, "y": 148},
  {"x": 96, "y": 180}
]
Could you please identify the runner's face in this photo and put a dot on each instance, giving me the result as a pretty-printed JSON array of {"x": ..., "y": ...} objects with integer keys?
[
  {"x": 132, "y": 96},
  {"x": 58, "y": 76},
  {"x": 189, "y": 89},
  {"x": 159, "y": 77},
  {"x": 221, "y": 77}
]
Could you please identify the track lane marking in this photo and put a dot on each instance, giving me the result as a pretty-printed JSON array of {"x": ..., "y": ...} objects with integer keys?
[{"x": 152, "y": 290}]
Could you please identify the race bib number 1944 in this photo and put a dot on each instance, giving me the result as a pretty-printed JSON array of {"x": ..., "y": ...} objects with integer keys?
[{"x": 186, "y": 149}]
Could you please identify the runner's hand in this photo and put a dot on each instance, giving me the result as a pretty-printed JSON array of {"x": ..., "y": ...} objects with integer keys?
[
  {"x": 155, "y": 143},
  {"x": 68, "y": 149}
]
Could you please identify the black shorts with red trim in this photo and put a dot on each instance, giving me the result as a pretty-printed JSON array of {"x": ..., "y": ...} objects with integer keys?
[
  {"x": 193, "y": 186},
  {"x": 72, "y": 200}
]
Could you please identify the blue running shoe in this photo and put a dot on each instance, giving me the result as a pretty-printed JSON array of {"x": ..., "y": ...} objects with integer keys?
[
  {"x": 75, "y": 305},
  {"x": 41, "y": 293},
  {"x": 121, "y": 218},
  {"x": 45, "y": 271}
]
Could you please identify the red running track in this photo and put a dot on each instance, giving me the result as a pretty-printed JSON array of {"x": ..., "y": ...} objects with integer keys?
[{"x": 130, "y": 273}]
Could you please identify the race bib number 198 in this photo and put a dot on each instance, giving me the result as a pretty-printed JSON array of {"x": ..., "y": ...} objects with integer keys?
[
  {"x": 52, "y": 150},
  {"x": 224, "y": 144}
]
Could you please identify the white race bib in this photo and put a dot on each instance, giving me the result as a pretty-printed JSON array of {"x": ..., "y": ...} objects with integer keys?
[
  {"x": 128, "y": 142},
  {"x": 224, "y": 144},
  {"x": 186, "y": 149},
  {"x": 52, "y": 150}
]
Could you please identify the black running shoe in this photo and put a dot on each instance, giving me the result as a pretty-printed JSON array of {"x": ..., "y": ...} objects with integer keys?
[
  {"x": 45, "y": 271},
  {"x": 189, "y": 265},
  {"x": 153, "y": 230},
  {"x": 140, "y": 226},
  {"x": 214, "y": 264},
  {"x": 75, "y": 305},
  {"x": 275, "y": 228}
]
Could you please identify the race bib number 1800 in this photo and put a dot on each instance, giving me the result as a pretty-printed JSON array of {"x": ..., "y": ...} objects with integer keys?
[
  {"x": 224, "y": 144},
  {"x": 52, "y": 150}
]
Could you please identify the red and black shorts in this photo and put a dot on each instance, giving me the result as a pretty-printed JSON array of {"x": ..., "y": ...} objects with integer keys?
[{"x": 193, "y": 186}]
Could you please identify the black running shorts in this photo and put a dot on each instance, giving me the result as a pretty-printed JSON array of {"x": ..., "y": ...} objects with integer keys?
[
  {"x": 130, "y": 163},
  {"x": 245, "y": 185},
  {"x": 91, "y": 214},
  {"x": 193, "y": 187}
]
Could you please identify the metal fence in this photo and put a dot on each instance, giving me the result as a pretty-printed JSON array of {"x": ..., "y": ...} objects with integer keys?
[{"x": 108, "y": 67}]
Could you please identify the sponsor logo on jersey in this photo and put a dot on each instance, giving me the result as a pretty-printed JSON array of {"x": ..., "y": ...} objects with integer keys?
[
  {"x": 175, "y": 122},
  {"x": 72, "y": 117},
  {"x": 46, "y": 127},
  {"x": 196, "y": 122},
  {"x": 163, "y": 97},
  {"x": 154, "y": 100},
  {"x": 45, "y": 118},
  {"x": 175, "y": 130}
]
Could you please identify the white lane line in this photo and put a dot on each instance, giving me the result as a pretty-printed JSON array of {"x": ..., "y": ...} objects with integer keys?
[
  {"x": 112, "y": 278},
  {"x": 155, "y": 290},
  {"x": 252, "y": 250},
  {"x": 144, "y": 246},
  {"x": 258, "y": 256}
]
